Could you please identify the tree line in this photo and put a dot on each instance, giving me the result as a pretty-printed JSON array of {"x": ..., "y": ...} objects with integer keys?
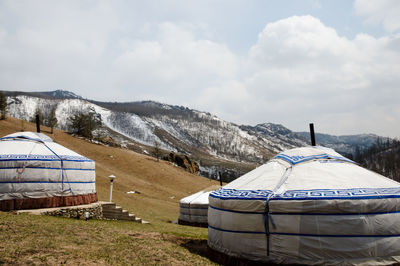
[
  {"x": 82, "y": 122},
  {"x": 383, "y": 157}
]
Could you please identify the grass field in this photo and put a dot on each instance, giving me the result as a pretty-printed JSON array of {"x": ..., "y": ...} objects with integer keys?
[{"x": 29, "y": 239}]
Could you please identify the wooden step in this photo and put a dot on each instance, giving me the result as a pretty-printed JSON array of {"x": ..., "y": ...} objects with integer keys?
[{"x": 114, "y": 212}]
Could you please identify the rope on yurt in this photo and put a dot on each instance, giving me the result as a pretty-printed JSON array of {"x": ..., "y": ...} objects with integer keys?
[
  {"x": 62, "y": 168},
  {"x": 24, "y": 165},
  {"x": 267, "y": 216}
]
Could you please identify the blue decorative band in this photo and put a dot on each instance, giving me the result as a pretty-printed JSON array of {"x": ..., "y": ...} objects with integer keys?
[
  {"x": 232, "y": 194},
  {"x": 35, "y": 157},
  {"x": 300, "y": 158},
  {"x": 311, "y": 194},
  {"x": 23, "y": 138},
  {"x": 233, "y": 211},
  {"x": 352, "y": 193}
]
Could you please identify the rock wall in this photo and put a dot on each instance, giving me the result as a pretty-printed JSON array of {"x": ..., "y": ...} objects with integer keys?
[{"x": 77, "y": 212}]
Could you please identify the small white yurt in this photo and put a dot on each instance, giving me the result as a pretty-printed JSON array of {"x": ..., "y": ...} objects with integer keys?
[
  {"x": 35, "y": 173},
  {"x": 308, "y": 206},
  {"x": 193, "y": 209}
]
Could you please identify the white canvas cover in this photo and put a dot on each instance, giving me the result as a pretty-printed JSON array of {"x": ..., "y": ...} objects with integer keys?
[
  {"x": 308, "y": 205},
  {"x": 33, "y": 166},
  {"x": 193, "y": 209}
]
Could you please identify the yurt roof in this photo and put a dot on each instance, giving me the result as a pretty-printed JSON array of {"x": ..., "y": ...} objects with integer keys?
[
  {"x": 309, "y": 172},
  {"x": 200, "y": 197},
  {"x": 38, "y": 146},
  {"x": 29, "y": 136}
]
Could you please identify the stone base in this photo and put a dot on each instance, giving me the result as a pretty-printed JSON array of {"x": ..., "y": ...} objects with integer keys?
[{"x": 49, "y": 202}]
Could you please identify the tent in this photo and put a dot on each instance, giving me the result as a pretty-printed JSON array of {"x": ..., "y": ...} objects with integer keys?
[
  {"x": 193, "y": 209},
  {"x": 35, "y": 172},
  {"x": 308, "y": 206}
]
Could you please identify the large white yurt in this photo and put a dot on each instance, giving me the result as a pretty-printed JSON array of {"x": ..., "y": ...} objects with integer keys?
[
  {"x": 36, "y": 172},
  {"x": 308, "y": 206}
]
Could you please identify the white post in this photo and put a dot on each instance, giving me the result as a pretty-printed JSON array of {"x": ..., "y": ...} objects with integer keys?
[{"x": 111, "y": 177}]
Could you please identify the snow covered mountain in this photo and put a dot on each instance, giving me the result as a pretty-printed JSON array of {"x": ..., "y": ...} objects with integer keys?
[
  {"x": 176, "y": 128},
  {"x": 206, "y": 138}
]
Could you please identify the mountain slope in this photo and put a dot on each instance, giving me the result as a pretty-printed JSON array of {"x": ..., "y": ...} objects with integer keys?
[
  {"x": 382, "y": 157},
  {"x": 346, "y": 145},
  {"x": 178, "y": 129},
  {"x": 217, "y": 145}
]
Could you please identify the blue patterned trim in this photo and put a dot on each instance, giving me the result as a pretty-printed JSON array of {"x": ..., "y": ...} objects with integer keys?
[
  {"x": 297, "y": 234},
  {"x": 232, "y": 194},
  {"x": 296, "y": 159},
  {"x": 352, "y": 193},
  {"x": 311, "y": 194},
  {"x": 35, "y": 157},
  {"x": 23, "y": 138}
]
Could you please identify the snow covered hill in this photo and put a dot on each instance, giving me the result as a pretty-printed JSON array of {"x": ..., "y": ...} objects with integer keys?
[
  {"x": 176, "y": 128},
  {"x": 201, "y": 135}
]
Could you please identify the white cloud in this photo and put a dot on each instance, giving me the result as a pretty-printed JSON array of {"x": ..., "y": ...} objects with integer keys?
[
  {"x": 174, "y": 64},
  {"x": 385, "y": 12},
  {"x": 297, "y": 71},
  {"x": 301, "y": 71}
]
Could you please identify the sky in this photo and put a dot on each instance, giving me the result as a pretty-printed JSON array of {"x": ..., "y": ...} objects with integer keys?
[{"x": 334, "y": 63}]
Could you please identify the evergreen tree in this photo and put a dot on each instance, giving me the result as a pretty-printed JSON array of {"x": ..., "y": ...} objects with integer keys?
[
  {"x": 3, "y": 106},
  {"x": 51, "y": 120},
  {"x": 83, "y": 123}
]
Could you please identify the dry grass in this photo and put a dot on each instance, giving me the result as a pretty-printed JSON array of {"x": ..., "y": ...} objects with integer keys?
[
  {"x": 28, "y": 239},
  {"x": 39, "y": 240}
]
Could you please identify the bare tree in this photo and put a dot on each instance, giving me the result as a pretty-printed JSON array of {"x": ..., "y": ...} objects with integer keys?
[{"x": 157, "y": 150}]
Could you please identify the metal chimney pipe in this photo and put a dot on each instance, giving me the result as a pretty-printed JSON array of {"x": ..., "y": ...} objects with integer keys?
[
  {"x": 312, "y": 135},
  {"x": 37, "y": 123}
]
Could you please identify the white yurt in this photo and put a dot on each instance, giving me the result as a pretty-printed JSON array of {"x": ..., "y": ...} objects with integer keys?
[
  {"x": 308, "y": 206},
  {"x": 193, "y": 209},
  {"x": 36, "y": 172}
]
